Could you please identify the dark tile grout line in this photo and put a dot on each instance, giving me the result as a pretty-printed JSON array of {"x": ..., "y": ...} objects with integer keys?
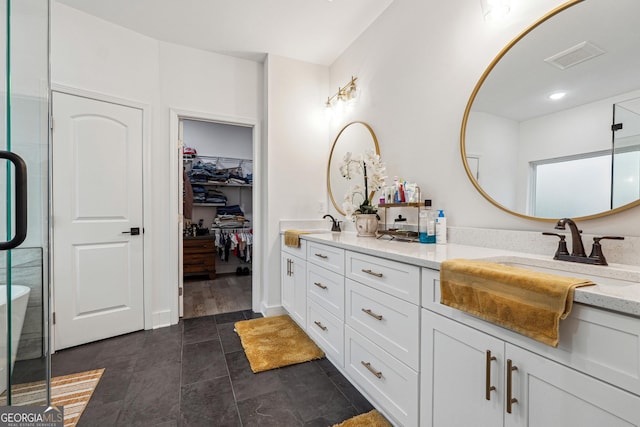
[
  {"x": 191, "y": 333},
  {"x": 233, "y": 390}
]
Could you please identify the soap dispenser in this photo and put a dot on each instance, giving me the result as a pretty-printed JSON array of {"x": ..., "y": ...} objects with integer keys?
[{"x": 441, "y": 227}]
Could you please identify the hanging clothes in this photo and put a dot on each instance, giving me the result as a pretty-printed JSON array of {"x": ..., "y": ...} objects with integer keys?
[{"x": 236, "y": 242}]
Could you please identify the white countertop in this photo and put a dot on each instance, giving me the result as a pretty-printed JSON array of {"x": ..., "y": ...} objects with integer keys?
[{"x": 617, "y": 286}]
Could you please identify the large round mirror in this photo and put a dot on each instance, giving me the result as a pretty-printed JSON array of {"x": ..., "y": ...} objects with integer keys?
[
  {"x": 552, "y": 129},
  {"x": 355, "y": 138}
]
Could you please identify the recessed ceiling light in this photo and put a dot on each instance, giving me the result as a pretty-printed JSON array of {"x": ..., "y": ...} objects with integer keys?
[{"x": 557, "y": 95}]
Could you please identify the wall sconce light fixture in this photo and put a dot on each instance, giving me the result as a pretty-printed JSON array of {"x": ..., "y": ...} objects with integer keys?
[
  {"x": 494, "y": 10},
  {"x": 345, "y": 95}
]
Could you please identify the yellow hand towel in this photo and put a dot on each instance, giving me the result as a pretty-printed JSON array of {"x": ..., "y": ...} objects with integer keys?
[
  {"x": 528, "y": 302},
  {"x": 292, "y": 237}
]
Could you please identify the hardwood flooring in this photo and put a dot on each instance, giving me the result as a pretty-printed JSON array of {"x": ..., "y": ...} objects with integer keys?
[{"x": 225, "y": 294}]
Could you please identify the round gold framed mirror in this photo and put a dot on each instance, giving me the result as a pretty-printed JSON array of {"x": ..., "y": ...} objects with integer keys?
[
  {"x": 356, "y": 138},
  {"x": 577, "y": 156}
]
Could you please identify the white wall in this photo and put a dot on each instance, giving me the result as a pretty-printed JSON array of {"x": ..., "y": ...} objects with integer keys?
[
  {"x": 297, "y": 153},
  {"x": 417, "y": 66},
  {"x": 493, "y": 143},
  {"x": 218, "y": 139},
  {"x": 95, "y": 56}
]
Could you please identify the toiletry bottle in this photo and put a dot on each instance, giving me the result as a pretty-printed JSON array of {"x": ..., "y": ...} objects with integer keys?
[
  {"x": 441, "y": 227},
  {"x": 431, "y": 224},
  {"x": 427, "y": 228},
  {"x": 423, "y": 219},
  {"x": 396, "y": 195}
]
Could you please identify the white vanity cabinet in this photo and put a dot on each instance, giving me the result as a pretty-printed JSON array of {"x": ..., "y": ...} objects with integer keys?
[
  {"x": 465, "y": 363},
  {"x": 293, "y": 272},
  {"x": 382, "y": 332},
  {"x": 325, "y": 299},
  {"x": 469, "y": 377}
]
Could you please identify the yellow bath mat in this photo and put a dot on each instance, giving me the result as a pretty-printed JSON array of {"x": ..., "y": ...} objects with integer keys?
[
  {"x": 370, "y": 419},
  {"x": 528, "y": 302},
  {"x": 274, "y": 342}
]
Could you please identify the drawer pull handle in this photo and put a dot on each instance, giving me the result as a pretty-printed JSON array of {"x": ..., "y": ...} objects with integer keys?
[
  {"x": 322, "y": 256},
  {"x": 367, "y": 365},
  {"x": 489, "y": 387},
  {"x": 320, "y": 325},
  {"x": 510, "y": 400},
  {"x": 320, "y": 285},
  {"x": 372, "y": 314},
  {"x": 373, "y": 273}
]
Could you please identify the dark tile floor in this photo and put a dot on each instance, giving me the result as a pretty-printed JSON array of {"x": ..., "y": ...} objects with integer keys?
[{"x": 196, "y": 374}]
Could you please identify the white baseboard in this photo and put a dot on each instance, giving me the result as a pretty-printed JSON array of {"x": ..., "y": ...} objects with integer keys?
[
  {"x": 161, "y": 319},
  {"x": 274, "y": 310}
]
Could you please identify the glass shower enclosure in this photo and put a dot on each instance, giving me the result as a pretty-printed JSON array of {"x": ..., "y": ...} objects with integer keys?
[{"x": 24, "y": 205}]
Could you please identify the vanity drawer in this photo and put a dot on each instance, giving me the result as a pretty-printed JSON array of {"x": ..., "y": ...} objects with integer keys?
[
  {"x": 395, "y": 278},
  {"x": 326, "y": 256},
  {"x": 300, "y": 251},
  {"x": 390, "y": 383},
  {"x": 391, "y": 323},
  {"x": 327, "y": 331},
  {"x": 326, "y": 288}
]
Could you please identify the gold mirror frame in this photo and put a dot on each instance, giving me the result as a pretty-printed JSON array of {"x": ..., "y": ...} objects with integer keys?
[
  {"x": 467, "y": 110},
  {"x": 333, "y": 147}
]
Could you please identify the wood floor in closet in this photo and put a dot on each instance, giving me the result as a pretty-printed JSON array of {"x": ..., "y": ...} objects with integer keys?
[{"x": 224, "y": 294}]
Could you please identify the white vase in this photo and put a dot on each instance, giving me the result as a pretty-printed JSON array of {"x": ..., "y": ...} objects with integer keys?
[{"x": 366, "y": 225}]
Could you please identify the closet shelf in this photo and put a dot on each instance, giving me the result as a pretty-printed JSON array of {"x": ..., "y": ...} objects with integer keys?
[
  {"x": 220, "y": 162},
  {"x": 221, "y": 184},
  {"x": 210, "y": 204}
]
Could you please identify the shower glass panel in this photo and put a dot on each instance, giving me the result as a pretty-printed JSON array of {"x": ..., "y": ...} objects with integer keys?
[
  {"x": 626, "y": 153},
  {"x": 24, "y": 206}
]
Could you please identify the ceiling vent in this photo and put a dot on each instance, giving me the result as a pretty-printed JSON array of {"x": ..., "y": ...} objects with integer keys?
[{"x": 574, "y": 55}]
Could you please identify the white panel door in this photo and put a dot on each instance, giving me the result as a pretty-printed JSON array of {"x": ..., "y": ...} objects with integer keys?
[
  {"x": 461, "y": 383},
  {"x": 97, "y": 204}
]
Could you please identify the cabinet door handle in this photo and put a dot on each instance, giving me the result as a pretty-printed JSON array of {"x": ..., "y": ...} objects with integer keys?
[
  {"x": 320, "y": 285},
  {"x": 320, "y": 325},
  {"x": 489, "y": 388},
  {"x": 367, "y": 365},
  {"x": 322, "y": 256},
  {"x": 510, "y": 400},
  {"x": 372, "y": 314},
  {"x": 373, "y": 273},
  {"x": 291, "y": 267}
]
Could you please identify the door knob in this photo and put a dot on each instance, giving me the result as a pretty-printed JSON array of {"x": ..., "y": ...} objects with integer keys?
[{"x": 134, "y": 231}]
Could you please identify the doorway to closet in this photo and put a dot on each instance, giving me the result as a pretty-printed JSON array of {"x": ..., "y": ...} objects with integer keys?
[{"x": 217, "y": 235}]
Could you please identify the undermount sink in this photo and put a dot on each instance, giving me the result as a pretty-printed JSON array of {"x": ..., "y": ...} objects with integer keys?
[{"x": 614, "y": 275}]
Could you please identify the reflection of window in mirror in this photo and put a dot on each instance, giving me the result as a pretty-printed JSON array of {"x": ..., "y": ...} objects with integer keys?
[{"x": 571, "y": 186}]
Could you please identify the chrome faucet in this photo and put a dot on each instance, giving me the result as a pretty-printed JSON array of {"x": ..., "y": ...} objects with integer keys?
[
  {"x": 576, "y": 238},
  {"x": 335, "y": 224}
]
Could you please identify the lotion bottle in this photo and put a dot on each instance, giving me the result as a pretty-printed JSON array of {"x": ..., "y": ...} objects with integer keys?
[{"x": 441, "y": 227}]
